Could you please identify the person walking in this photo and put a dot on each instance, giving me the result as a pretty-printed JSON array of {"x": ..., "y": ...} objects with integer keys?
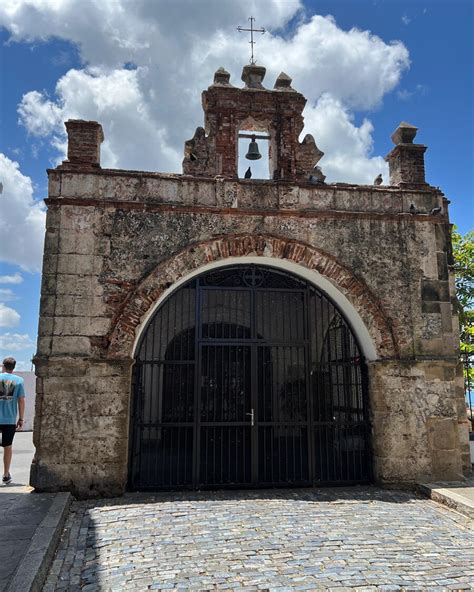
[{"x": 12, "y": 402}]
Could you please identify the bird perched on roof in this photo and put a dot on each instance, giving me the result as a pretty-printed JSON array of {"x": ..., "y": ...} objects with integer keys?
[
  {"x": 412, "y": 209},
  {"x": 317, "y": 176},
  {"x": 378, "y": 180},
  {"x": 435, "y": 211},
  {"x": 248, "y": 174}
]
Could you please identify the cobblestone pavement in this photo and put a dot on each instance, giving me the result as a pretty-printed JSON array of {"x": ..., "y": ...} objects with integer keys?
[{"x": 359, "y": 538}]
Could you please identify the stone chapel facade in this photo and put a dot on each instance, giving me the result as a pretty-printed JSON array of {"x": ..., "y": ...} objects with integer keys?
[{"x": 201, "y": 330}]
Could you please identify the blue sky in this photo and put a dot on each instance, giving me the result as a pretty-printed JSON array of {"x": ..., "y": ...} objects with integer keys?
[{"x": 139, "y": 67}]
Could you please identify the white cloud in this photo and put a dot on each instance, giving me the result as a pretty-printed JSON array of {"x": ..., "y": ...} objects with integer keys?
[
  {"x": 16, "y": 278},
  {"x": 148, "y": 112},
  {"x": 15, "y": 341},
  {"x": 406, "y": 20},
  {"x": 347, "y": 147},
  {"x": 23, "y": 365},
  {"x": 113, "y": 32},
  {"x": 405, "y": 94},
  {"x": 6, "y": 295},
  {"x": 8, "y": 316},
  {"x": 354, "y": 66},
  {"x": 22, "y": 221},
  {"x": 116, "y": 99},
  {"x": 47, "y": 114}
]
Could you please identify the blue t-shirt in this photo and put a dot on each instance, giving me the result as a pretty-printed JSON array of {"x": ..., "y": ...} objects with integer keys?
[{"x": 11, "y": 389}]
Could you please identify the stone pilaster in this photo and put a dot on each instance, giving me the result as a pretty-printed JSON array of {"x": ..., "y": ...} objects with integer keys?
[
  {"x": 406, "y": 161},
  {"x": 84, "y": 140},
  {"x": 419, "y": 422}
]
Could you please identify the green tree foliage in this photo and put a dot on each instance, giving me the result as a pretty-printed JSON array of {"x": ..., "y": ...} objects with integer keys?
[{"x": 463, "y": 251}]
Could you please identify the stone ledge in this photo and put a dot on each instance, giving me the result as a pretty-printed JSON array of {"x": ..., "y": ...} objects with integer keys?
[
  {"x": 140, "y": 188},
  {"x": 275, "y": 212},
  {"x": 457, "y": 495}
]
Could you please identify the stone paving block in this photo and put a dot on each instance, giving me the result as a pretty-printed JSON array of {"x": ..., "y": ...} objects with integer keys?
[{"x": 360, "y": 539}]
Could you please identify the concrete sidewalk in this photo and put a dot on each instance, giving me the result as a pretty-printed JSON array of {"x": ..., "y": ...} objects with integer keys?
[
  {"x": 458, "y": 496},
  {"x": 31, "y": 523}
]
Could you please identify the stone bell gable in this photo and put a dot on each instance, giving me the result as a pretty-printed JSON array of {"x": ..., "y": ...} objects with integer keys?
[
  {"x": 227, "y": 110},
  {"x": 124, "y": 247}
]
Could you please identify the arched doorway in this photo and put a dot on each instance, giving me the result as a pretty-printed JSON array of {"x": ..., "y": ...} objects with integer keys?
[{"x": 248, "y": 376}]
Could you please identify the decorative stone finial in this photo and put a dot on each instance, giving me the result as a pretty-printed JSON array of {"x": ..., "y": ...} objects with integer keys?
[
  {"x": 253, "y": 76},
  {"x": 406, "y": 162},
  {"x": 196, "y": 154},
  {"x": 307, "y": 157},
  {"x": 404, "y": 134},
  {"x": 222, "y": 77},
  {"x": 283, "y": 82}
]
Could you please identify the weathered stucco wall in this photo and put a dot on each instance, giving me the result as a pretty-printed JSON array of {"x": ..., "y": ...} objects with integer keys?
[{"x": 116, "y": 240}]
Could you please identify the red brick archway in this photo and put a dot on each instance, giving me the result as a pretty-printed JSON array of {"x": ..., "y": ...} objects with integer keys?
[{"x": 168, "y": 272}]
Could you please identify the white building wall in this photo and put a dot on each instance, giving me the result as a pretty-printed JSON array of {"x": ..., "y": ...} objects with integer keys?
[{"x": 30, "y": 392}]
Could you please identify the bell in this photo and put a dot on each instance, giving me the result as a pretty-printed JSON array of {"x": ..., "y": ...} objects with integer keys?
[{"x": 253, "y": 153}]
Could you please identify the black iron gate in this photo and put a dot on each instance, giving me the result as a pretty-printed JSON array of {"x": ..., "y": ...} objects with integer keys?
[{"x": 248, "y": 376}]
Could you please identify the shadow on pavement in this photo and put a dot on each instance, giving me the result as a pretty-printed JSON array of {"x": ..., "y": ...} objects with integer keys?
[
  {"x": 283, "y": 539},
  {"x": 21, "y": 512},
  {"x": 327, "y": 494}
]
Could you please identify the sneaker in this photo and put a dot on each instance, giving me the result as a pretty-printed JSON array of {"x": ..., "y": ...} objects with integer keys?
[{"x": 7, "y": 479}]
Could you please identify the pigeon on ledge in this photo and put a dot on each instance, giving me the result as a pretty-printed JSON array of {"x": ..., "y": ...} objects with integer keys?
[
  {"x": 317, "y": 176},
  {"x": 378, "y": 180},
  {"x": 435, "y": 211},
  {"x": 248, "y": 174}
]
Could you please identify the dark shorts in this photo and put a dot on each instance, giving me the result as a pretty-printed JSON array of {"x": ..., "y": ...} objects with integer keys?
[{"x": 8, "y": 432}]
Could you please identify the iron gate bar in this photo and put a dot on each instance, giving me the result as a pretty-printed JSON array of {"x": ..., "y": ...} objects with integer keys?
[
  {"x": 318, "y": 431},
  {"x": 197, "y": 389},
  {"x": 308, "y": 382}
]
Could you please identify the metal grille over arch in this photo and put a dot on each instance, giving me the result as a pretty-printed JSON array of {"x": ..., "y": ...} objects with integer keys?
[{"x": 248, "y": 376}]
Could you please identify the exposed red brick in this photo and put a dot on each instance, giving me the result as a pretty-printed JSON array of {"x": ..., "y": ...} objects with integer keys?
[
  {"x": 407, "y": 165},
  {"x": 139, "y": 301},
  {"x": 84, "y": 140},
  {"x": 228, "y": 110}
]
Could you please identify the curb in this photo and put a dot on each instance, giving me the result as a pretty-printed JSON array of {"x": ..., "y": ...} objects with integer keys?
[
  {"x": 447, "y": 497},
  {"x": 33, "y": 568}
]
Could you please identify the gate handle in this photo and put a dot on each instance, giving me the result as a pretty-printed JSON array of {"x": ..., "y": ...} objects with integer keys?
[{"x": 252, "y": 418}]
